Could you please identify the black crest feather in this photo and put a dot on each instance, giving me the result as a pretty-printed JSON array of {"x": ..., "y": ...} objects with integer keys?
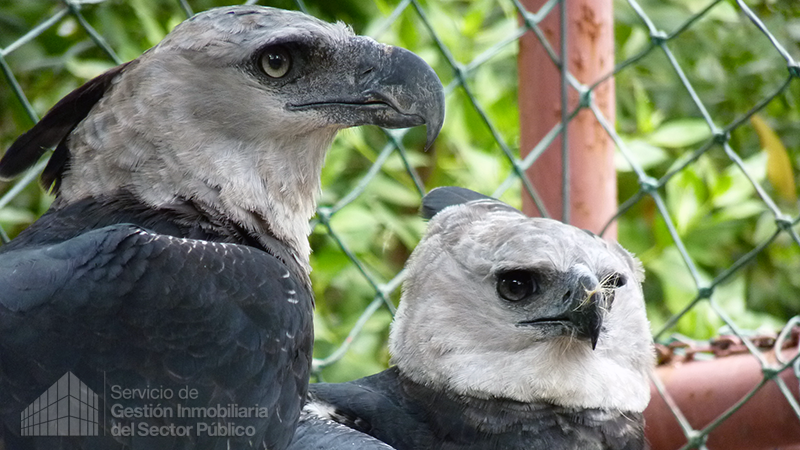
[
  {"x": 441, "y": 197},
  {"x": 53, "y": 129}
]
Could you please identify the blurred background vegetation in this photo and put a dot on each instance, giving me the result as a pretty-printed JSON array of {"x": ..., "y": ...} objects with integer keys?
[{"x": 715, "y": 209}]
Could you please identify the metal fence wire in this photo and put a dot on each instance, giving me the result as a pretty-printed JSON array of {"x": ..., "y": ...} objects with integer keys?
[{"x": 707, "y": 199}]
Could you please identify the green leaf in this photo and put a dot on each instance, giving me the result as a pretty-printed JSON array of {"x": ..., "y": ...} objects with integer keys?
[
  {"x": 152, "y": 29},
  {"x": 680, "y": 133},
  {"x": 10, "y": 216},
  {"x": 642, "y": 153},
  {"x": 731, "y": 296},
  {"x": 686, "y": 194},
  {"x": 393, "y": 192},
  {"x": 679, "y": 290},
  {"x": 87, "y": 68}
]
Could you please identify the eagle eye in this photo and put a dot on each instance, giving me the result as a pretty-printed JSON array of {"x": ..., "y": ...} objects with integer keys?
[
  {"x": 616, "y": 280},
  {"x": 516, "y": 285},
  {"x": 276, "y": 61}
]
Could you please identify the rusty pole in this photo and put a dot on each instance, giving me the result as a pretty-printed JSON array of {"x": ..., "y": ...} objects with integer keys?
[
  {"x": 703, "y": 390},
  {"x": 590, "y": 54}
]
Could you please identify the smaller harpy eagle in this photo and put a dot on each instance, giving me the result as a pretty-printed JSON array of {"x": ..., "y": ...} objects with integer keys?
[
  {"x": 175, "y": 255},
  {"x": 512, "y": 333}
]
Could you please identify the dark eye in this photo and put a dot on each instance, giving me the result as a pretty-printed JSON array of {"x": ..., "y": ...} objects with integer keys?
[
  {"x": 276, "y": 62},
  {"x": 615, "y": 281},
  {"x": 516, "y": 285}
]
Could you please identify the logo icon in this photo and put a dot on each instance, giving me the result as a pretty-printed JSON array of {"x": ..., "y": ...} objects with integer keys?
[{"x": 67, "y": 408}]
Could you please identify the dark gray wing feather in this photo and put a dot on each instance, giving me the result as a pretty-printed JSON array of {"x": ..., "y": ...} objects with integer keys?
[
  {"x": 316, "y": 433},
  {"x": 409, "y": 416},
  {"x": 155, "y": 310}
]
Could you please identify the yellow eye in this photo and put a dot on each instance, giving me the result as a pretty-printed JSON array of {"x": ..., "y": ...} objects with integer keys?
[{"x": 276, "y": 62}]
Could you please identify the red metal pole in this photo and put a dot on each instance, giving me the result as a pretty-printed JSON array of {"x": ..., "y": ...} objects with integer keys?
[
  {"x": 593, "y": 182},
  {"x": 703, "y": 390}
]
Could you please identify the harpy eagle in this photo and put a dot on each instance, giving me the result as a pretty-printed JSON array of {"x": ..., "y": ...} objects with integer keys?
[
  {"x": 512, "y": 333},
  {"x": 172, "y": 268}
]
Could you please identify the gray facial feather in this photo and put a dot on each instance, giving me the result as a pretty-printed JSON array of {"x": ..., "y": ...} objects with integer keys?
[
  {"x": 453, "y": 331},
  {"x": 192, "y": 119}
]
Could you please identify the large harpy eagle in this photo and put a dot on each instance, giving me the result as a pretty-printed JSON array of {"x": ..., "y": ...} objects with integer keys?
[{"x": 175, "y": 254}]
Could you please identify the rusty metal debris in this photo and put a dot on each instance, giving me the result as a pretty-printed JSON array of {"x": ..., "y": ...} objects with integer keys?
[{"x": 682, "y": 349}]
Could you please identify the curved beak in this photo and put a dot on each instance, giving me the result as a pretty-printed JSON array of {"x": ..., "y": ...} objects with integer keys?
[
  {"x": 587, "y": 318},
  {"x": 409, "y": 85},
  {"x": 387, "y": 86},
  {"x": 581, "y": 312}
]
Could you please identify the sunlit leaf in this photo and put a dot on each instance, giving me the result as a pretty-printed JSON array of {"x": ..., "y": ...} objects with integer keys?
[
  {"x": 779, "y": 168},
  {"x": 153, "y": 30},
  {"x": 680, "y": 133},
  {"x": 88, "y": 69},
  {"x": 687, "y": 193},
  {"x": 679, "y": 289},
  {"x": 642, "y": 153},
  {"x": 15, "y": 216},
  {"x": 732, "y": 297},
  {"x": 393, "y": 192}
]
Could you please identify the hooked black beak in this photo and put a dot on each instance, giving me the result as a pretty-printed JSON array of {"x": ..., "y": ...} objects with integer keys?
[
  {"x": 391, "y": 87},
  {"x": 581, "y": 311},
  {"x": 408, "y": 85},
  {"x": 587, "y": 318}
]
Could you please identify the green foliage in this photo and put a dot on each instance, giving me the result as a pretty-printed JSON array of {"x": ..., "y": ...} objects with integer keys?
[{"x": 715, "y": 209}]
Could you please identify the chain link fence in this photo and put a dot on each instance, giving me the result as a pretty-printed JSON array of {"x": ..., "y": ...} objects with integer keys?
[{"x": 707, "y": 132}]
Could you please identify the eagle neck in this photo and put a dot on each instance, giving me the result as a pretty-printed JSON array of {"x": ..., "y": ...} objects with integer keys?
[{"x": 475, "y": 416}]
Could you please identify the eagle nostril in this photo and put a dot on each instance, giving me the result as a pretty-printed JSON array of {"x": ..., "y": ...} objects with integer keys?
[{"x": 566, "y": 296}]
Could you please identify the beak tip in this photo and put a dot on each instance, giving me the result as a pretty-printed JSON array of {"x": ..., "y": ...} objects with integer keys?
[
  {"x": 415, "y": 91},
  {"x": 432, "y": 134},
  {"x": 434, "y": 126}
]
